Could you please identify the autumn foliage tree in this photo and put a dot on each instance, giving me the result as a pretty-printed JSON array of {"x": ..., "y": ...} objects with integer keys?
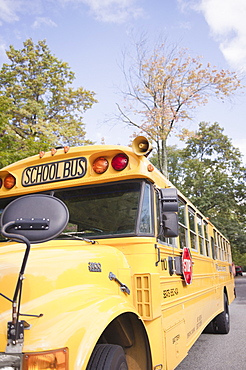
[
  {"x": 39, "y": 108},
  {"x": 162, "y": 90}
]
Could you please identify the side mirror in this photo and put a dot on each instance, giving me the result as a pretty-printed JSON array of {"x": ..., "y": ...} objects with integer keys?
[
  {"x": 169, "y": 207},
  {"x": 36, "y": 217},
  {"x": 31, "y": 219},
  {"x": 170, "y": 224}
]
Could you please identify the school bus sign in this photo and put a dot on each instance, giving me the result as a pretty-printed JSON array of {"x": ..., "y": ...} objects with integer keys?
[{"x": 187, "y": 265}]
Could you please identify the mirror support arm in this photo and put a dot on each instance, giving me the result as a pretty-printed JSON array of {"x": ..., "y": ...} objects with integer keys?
[{"x": 21, "y": 238}]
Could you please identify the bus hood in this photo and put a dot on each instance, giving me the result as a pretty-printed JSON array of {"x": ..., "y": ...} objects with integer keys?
[{"x": 65, "y": 281}]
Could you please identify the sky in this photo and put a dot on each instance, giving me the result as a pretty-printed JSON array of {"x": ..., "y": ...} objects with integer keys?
[{"x": 92, "y": 36}]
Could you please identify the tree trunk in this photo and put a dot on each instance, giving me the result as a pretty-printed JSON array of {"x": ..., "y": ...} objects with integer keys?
[{"x": 162, "y": 157}]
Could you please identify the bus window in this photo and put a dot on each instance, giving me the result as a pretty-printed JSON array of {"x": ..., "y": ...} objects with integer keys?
[
  {"x": 146, "y": 224},
  {"x": 216, "y": 254},
  {"x": 216, "y": 245},
  {"x": 207, "y": 249},
  {"x": 182, "y": 224},
  {"x": 213, "y": 248},
  {"x": 228, "y": 252},
  {"x": 193, "y": 240},
  {"x": 200, "y": 234},
  {"x": 223, "y": 249},
  {"x": 220, "y": 248}
]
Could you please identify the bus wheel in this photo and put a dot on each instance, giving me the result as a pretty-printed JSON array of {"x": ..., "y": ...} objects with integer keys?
[
  {"x": 222, "y": 321},
  {"x": 107, "y": 357}
]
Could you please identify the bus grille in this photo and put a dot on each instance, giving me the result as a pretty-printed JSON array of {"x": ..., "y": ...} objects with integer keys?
[{"x": 142, "y": 284}]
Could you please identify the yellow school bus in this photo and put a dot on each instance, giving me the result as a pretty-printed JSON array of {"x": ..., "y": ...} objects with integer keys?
[{"x": 104, "y": 265}]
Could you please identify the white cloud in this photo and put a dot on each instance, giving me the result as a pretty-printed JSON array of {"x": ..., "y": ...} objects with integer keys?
[
  {"x": 40, "y": 21},
  {"x": 114, "y": 11},
  {"x": 9, "y": 10},
  {"x": 227, "y": 22},
  {"x": 2, "y": 49},
  {"x": 241, "y": 144}
]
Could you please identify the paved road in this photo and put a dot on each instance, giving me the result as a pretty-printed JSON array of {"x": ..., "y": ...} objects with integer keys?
[{"x": 222, "y": 352}]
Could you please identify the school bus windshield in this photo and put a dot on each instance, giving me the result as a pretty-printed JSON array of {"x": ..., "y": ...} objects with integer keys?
[
  {"x": 106, "y": 210},
  {"x": 110, "y": 209}
]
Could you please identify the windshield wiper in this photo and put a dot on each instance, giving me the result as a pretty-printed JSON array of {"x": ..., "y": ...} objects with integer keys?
[{"x": 74, "y": 234}]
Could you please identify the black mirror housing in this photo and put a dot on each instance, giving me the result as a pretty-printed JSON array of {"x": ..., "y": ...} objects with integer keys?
[
  {"x": 170, "y": 224},
  {"x": 169, "y": 207},
  {"x": 169, "y": 199},
  {"x": 37, "y": 217}
]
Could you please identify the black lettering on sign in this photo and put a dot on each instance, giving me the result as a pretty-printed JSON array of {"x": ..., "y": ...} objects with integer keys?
[{"x": 56, "y": 171}]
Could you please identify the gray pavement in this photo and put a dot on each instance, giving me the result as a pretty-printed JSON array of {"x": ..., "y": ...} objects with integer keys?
[{"x": 222, "y": 352}]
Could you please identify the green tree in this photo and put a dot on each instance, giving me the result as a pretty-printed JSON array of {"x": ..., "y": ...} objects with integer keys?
[
  {"x": 39, "y": 108},
  {"x": 163, "y": 87},
  {"x": 210, "y": 172}
]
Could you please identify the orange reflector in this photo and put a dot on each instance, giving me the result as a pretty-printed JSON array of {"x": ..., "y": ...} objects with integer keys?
[
  {"x": 119, "y": 162},
  {"x": 9, "y": 181},
  {"x": 100, "y": 165},
  {"x": 51, "y": 360},
  {"x": 150, "y": 168}
]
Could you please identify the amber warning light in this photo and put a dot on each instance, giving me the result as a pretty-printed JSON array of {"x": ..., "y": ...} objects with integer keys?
[
  {"x": 57, "y": 359},
  {"x": 100, "y": 165},
  {"x": 9, "y": 181}
]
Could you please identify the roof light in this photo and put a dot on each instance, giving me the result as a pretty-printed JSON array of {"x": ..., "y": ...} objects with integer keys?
[
  {"x": 150, "y": 168},
  {"x": 119, "y": 162},
  {"x": 9, "y": 181},
  {"x": 100, "y": 165}
]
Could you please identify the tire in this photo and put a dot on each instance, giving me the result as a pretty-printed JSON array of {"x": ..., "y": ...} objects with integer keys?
[
  {"x": 107, "y": 357},
  {"x": 221, "y": 323}
]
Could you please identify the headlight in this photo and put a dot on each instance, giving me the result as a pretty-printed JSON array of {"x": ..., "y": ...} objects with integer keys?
[
  {"x": 10, "y": 362},
  {"x": 50, "y": 360}
]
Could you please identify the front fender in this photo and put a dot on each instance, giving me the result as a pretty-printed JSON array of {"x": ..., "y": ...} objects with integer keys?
[
  {"x": 70, "y": 321},
  {"x": 105, "y": 312}
]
